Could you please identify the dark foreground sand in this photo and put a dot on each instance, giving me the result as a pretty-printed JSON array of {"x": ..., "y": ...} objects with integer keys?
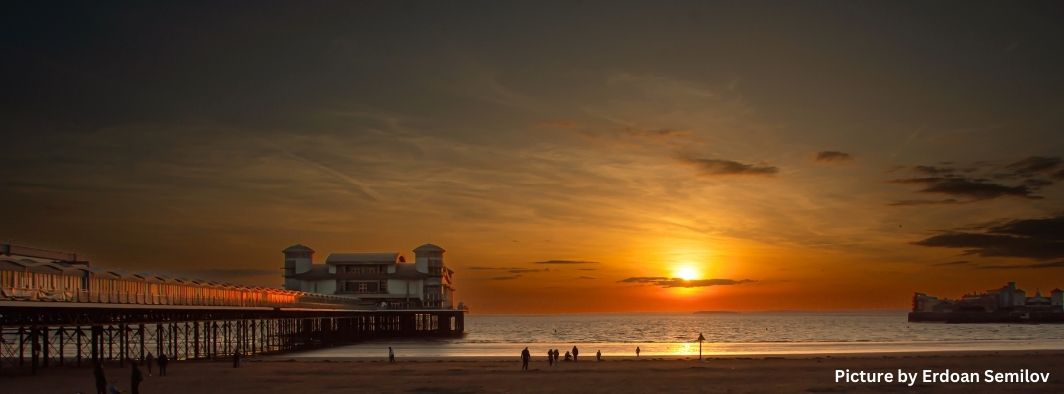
[{"x": 814, "y": 374}]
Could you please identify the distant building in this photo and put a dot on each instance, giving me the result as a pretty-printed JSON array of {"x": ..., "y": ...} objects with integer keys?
[
  {"x": 1005, "y": 298},
  {"x": 381, "y": 279}
]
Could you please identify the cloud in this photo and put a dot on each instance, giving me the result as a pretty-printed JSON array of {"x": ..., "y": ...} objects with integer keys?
[
  {"x": 1028, "y": 238},
  {"x": 527, "y": 270},
  {"x": 964, "y": 187},
  {"x": 932, "y": 170},
  {"x": 512, "y": 270},
  {"x": 586, "y": 277},
  {"x": 1051, "y": 264},
  {"x": 565, "y": 262},
  {"x": 967, "y": 188},
  {"x": 1034, "y": 165},
  {"x": 901, "y": 203},
  {"x": 831, "y": 156},
  {"x": 952, "y": 263},
  {"x": 718, "y": 167},
  {"x": 678, "y": 282},
  {"x": 509, "y": 277}
]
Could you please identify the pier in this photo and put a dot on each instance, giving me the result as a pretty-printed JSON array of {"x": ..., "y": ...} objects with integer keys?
[{"x": 62, "y": 313}]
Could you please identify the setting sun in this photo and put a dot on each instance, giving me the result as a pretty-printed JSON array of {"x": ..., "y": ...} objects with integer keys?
[{"x": 688, "y": 272}]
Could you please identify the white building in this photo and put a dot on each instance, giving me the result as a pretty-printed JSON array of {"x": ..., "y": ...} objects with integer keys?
[{"x": 381, "y": 279}]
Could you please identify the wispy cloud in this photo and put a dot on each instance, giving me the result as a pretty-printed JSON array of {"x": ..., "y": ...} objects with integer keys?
[
  {"x": 565, "y": 262},
  {"x": 1047, "y": 265},
  {"x": 678, "y": 282},
  {"x": 831, "y": 156},
  {"x": 720, "y": 167},
  {"x": 952, "y": 263}
]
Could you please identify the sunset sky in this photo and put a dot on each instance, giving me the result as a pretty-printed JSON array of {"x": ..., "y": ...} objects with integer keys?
[{"x": 570, "y": 156}]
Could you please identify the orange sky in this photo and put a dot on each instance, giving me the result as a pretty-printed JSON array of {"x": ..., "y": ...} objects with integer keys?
[{"x": 793, "y": 157}]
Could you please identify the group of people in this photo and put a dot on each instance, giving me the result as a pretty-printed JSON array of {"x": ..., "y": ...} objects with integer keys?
[
  {"x": 553, "y": 356},
  {"x": 136, "y": 376}
]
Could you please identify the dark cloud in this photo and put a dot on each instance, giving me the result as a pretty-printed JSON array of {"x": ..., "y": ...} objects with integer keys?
[
  {"x": 586, "y": 277},
  {"x": 952, "y": 263},
  {"x": 565, "y": 262},
  {"x": 512, "y": 270},
  {"x": 901, "y": 203},
  {"x": 677, "y": 282},
  {"x": 1051, "y": 264},
  {"x": 965, "y": 184},
  {"x": 970, "y": 189},
  {"x": 509, "y": 277},
  {"x": 1030, "y": 238},
  {"x": 1034, "y": 165},
  {"x": 833, "y": 156},
  {"x": 717, "y": 167},
  {"x": 932, "y": 170},
  {"x": 587, "y": 269},
  {"x": 526, "y": 270}
]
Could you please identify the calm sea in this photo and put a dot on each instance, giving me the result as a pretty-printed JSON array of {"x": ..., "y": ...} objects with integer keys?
[{"x": 726, "y": 334}]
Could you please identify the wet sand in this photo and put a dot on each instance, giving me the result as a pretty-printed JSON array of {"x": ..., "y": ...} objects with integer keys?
[{"x": 813, "y": 374}]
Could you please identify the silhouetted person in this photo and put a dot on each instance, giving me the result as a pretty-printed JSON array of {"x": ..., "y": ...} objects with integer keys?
[
  {"x": 101, "y": 379},
  {"x": 149, "y": 361},
  {"x": 525, "y": 356},
  {"x": 576, "y": 353},
  {"x": 391, "y": 355},
  {"x": 550, "y": 357},
  {"x": 163, "y": 360},
  {"x": 236, "y": 359},
  {"x": 557, "y": 356},
  {"x": 637, "y": 352},
  {"x": 598, "y": 355},
  {"x": 135, "y": 379},
  {"x": 35, "y": 356},
  {"x": 568, "y": 356}
]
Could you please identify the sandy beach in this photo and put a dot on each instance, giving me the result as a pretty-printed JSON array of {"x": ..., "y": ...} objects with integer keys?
[{"x": 470, "y": 375}]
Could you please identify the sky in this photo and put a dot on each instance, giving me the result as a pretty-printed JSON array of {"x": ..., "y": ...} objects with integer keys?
[{"x": 569, "y": 156}]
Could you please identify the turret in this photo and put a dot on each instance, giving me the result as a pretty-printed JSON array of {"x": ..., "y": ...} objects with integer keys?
[
  {"x": 297, "y": 260},
  {"x": 428, "y": 258}
]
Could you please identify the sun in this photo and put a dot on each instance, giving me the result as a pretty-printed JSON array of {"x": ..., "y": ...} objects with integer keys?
[{"x": 687, "y": 272}]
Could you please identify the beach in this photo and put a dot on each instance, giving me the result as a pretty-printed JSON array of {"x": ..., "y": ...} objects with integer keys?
[{"x": 735, "y": 374}]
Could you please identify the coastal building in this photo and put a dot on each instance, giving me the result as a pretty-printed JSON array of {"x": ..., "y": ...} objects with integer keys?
[
  {"x": 1005, "y": 304},
  {"x": 380, "y": 279}
]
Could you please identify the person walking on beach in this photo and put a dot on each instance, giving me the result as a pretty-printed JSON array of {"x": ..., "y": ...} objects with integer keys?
[
  {"x": 236, "y": 358},
  {"x": 550, "y": 357},
  {"x": 135, "y": 379},
  {"x": 637, "y": 352},
  {"x": 568, "y": 356},
  {"x": 525, "y": 356},
  {"x": 101, "y": 379},
  {"x": 598, "y": 355},
  {"x": 163, "y": 360},
  {"x": 391, "y": 355},
  {"x": 149, "y": 361},
  {"x": 576, "y": 353}
]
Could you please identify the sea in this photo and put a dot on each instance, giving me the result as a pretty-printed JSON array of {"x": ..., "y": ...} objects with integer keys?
[{"x": 675, "y": 334}]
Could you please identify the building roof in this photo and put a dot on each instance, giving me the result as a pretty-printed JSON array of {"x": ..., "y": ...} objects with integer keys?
[
  {"x": 317, "y": 272},
  {"x": 298, "y": 248},
  {"x": 408, "y": 271},
  {"x": 364, "y": 258},
  {"x": 428, "y": 248}
]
